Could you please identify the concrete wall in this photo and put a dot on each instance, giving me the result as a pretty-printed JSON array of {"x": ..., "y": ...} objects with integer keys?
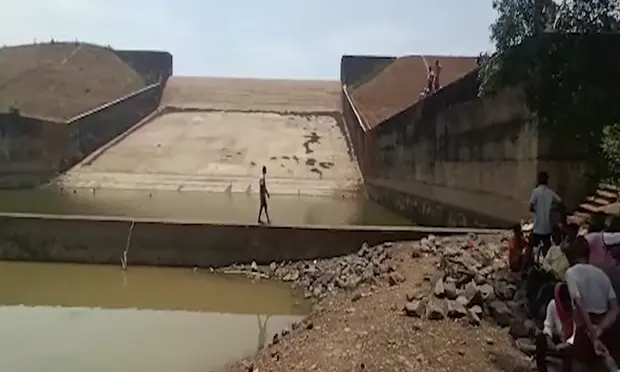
[
  {"x": 34, "y": 150},
  {"x": 152, "y": 66},
  {"x": 30, "y": 149},
  {"x": 356, "y": 70},
  {"x": 93, "y": 129},
  {"x": 99, "y": 240},
  {"x": 361, "y": 139},
  {"x": 471, "y": 164}
]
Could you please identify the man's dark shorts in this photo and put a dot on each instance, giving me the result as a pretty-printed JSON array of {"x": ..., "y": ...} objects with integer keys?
[{"x": 544, "y": 239}]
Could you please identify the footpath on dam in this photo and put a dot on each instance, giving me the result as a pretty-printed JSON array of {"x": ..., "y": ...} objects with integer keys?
[{"x": 435, "y": 304}]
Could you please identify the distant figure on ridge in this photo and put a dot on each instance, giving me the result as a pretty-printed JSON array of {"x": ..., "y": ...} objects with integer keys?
[
  {"x": 430, "y": 83},
  {"x": 436, "y": 84},
  {"x": 264, "y": 195}
]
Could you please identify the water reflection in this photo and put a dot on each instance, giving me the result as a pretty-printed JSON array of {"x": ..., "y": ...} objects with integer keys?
[
  {"x": 98, "y": 318},
  {"x": 43, "y": 338},
  {"x": 211, "y": 207}
]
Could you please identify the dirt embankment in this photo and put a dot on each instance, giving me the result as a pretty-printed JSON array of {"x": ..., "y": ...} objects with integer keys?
[
  {"x": 439, "y": 304},
  {"x": 62, "y": 80}
]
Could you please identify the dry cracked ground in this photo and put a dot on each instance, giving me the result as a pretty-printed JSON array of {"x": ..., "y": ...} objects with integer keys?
[{"x": 439, "y": 304}]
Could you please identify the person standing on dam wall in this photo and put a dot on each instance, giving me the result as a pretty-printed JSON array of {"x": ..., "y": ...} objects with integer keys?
[{"x": 264, "y": 195}]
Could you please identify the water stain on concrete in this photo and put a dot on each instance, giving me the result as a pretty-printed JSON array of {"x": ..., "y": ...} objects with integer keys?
[
  {"x": 317, "y": 171},
  {"x": 326, "y": 164},
  {"x": 311, "y": 139}
]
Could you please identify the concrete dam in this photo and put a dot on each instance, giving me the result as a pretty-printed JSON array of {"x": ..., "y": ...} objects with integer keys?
[
  {"x": 109, "y": 159},
  {"x": 215, "y": 134}
]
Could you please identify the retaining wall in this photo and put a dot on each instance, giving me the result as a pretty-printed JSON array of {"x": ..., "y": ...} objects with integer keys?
[
  {"x": 457, "y": 160},
  {"x": 102, "y": 241},
  {"x": 34, "y": 150},
  {"x": 31, "y": 149},
  {"x": 93, "y": 129},
  {"x": 153, "y": 66},
  {"x": 470, "y": 164},
  {"x": 356, "y": 70},
  {"x": 362, "y": 140}
]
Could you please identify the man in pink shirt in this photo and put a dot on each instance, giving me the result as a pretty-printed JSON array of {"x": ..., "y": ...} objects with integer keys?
[{"x": 602, "y": 244}]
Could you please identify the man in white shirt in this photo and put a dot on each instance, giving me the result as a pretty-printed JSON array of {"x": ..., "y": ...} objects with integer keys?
[
  {"x": 595, "y": 305},
  {"x": 558, "y": 328},
  {"x": 542, "y": 202}
]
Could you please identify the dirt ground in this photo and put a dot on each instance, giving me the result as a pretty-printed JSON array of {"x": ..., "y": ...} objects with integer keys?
[
  {"x": 61, "y": 80},
  {"x": 367, "y": 330}
]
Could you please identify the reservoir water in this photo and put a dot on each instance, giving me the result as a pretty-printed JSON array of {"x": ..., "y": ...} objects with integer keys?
[
  {"x": 201, "y": 206},
  {"x": 75, "y": 318}
]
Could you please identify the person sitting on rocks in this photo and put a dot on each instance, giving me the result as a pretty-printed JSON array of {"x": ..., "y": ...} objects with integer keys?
[
  {"x": 596, "y": 339},
  {"x": 516, "y": 247},
  {"x": 542, "y": 278},
  {"x": 557, "y": 330},
  {"x": 555, "y": 262}
]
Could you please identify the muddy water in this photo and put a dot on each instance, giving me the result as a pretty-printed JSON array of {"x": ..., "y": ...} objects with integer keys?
[
  {"x": 76, "y": 318},
  {"x": 209, "y": 207}
]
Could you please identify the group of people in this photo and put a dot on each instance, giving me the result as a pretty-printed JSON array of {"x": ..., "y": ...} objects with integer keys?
[
  {"x": 572, "y": 284},
  {"x": 432, "y": 82}
]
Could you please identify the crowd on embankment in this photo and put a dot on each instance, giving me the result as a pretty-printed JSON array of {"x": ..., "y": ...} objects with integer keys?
[{"x": 528, "y": 299}]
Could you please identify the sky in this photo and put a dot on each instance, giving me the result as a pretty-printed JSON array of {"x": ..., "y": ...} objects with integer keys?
[{"x": 299, "y": 39}]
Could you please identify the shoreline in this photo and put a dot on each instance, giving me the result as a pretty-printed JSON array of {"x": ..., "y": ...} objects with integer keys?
[{"x": 401, "y": 306}]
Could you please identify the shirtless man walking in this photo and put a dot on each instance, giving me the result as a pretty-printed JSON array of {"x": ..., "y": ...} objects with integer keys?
[{"x": 264, "y": 195}]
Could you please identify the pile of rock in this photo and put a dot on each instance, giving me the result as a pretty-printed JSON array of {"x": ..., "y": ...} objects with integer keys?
[
  {"x": 318, "y": 278},
  {"x": 473, "y": 282}
]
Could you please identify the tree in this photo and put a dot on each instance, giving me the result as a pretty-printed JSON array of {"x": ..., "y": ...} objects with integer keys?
[{"x": 565, "y": 54}]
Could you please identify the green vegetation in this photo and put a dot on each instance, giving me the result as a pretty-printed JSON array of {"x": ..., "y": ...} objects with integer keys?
[{"x": 566, "y": 55}]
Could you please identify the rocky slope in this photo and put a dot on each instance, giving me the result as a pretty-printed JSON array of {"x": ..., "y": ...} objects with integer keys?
[{"x": 436, "y": 304}]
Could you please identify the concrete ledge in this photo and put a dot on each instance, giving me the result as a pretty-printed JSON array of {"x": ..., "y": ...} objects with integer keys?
[
  {"x": 101, "y": 240},
  {"x": 437, "y": 205}
]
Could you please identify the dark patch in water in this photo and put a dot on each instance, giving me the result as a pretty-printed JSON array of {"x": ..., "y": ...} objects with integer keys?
[
  {"x": 296, "y": 159},
  {"x": 273, "y": 158},
  {"x": 310, "y": 162},
  {"x": 286, "y": 157},
  {"x": 326, "y": 164}
]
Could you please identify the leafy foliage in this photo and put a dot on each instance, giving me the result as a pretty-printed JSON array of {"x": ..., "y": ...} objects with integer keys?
[
  {"x": 610, "y": 146},
  {"x": 566, "y": 56}
]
